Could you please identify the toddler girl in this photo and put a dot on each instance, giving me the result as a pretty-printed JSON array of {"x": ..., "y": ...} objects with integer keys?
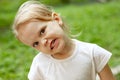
[{"x": 60, "y": 57}]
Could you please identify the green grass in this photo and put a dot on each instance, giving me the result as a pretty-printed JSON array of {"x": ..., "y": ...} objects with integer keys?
[
  {"x": 98, "y": 23},
  {"x": 8, "y": 9}
]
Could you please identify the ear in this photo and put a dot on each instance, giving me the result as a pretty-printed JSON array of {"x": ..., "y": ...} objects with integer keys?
[{"x": 57, "y": 18}]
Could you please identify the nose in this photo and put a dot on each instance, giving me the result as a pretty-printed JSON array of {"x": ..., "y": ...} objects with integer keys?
[{"x": 44, "y": 41}]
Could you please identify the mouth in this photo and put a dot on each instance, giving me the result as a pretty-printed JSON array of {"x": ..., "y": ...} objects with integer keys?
[{"x": 52, "y": 44}]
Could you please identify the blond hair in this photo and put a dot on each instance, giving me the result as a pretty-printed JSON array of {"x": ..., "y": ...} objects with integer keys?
[{"x": 31, "y": 10}]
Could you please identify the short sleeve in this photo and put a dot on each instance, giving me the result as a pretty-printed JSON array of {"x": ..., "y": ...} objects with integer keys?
[
  {"x": 34, "y": 73},
  {"x": 101, "y": 57}
]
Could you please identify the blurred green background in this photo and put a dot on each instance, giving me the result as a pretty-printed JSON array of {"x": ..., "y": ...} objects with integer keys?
[{"x": 98, "y": 21}]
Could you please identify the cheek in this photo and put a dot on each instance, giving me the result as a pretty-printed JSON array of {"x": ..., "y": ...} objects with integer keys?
[
  {"x": 55, "y": 32},
  {"x": 41, "y": 49},
  {"x": 55, "y": 28},
  {"x": 37, "y": 48}
]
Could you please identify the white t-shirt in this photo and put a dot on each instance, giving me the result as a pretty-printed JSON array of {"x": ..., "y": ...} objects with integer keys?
[{"x": 84, "y": 64}]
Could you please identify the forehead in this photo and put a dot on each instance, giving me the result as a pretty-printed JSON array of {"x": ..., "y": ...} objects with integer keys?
[{"x": 27, "y": 32}]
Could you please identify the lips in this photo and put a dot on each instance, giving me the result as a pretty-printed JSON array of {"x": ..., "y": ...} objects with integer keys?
[{"x": 52, "y": 44}]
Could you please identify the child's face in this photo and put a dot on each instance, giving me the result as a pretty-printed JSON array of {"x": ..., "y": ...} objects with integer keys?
[{"x": 45, "y": 36}]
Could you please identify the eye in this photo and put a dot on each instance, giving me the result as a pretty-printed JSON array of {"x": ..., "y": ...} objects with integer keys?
[
  {"x": 35, "y": 44},
  {"x": 42, "y": 31}
]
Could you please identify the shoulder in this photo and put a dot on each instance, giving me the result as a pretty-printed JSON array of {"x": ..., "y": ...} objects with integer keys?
[
  {"x": 41, "y": 57},
  {"x": 37, "y": 66},
  {"x": 90, "y": 47},
  {"x": 84, "y": 49},
  {"x": 84, "y": 45}
]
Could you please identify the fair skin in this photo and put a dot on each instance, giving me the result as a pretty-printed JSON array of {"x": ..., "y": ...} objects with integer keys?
[{"x": 49, "y": 37}]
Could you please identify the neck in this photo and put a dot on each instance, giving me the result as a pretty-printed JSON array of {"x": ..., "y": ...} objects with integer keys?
[{"x": 67, "y": 52}]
